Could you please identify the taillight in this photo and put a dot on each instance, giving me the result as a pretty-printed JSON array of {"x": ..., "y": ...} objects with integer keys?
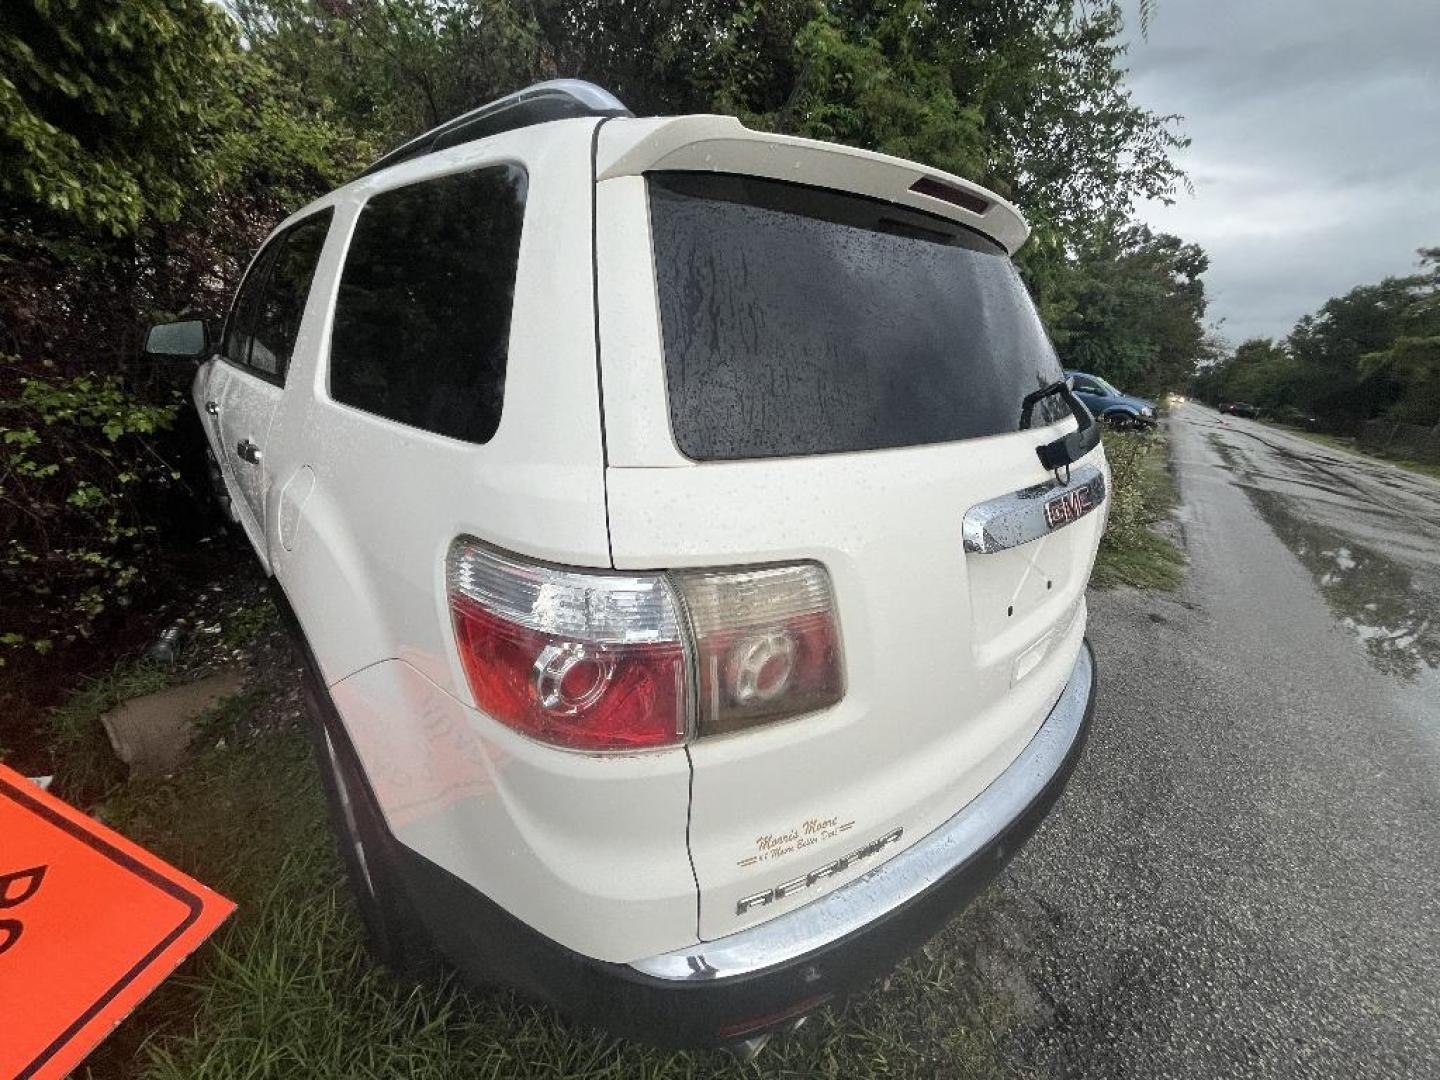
[
  {"x": 581, "y": 660},
  {"x": 606, "y": 661},
  {"x": 766, "y": 643}
]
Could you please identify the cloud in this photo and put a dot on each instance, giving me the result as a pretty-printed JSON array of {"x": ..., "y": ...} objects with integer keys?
[{"x": 1315, "y": 155}]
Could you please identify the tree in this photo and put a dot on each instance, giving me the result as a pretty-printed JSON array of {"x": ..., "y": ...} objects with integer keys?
[
  {"x": 1373, "y": 352},
  {"x": 1130, "y": 306},
  {"x": 1328, "y": 380},
  {"x": 1411, "y": 361},
  {"x": 145, "y": 155},
  {"x": 1028, "y": 98},
  {"x": 394, "y": 68},
  {"x": 1260, "y": 371},
  {"x": 95, "y": 102}
]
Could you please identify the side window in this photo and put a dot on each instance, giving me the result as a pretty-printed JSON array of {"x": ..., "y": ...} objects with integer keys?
[
  {"x": 282, "y": 302},
  {"x": 1085, "y": 386},
  {"x": 239, "y": 327},
  {"x": 265, "y": 317},
  {"x": 422, "y": 322}
]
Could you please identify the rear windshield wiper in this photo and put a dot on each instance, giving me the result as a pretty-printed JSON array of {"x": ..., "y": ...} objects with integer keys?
[{"x": 1064, "y": 451}]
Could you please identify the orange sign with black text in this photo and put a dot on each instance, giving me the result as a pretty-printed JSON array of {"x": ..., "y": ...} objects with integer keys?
[{"x": 89, "y": 924}]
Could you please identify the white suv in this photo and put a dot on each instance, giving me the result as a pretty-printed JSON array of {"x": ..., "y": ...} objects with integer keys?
[{"x": 688, "y": 527}]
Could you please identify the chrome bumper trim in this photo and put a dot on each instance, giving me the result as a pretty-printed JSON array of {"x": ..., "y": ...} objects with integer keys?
[
  {"x": 910, "y": 873},
  {"x": 1019, "y": 517}
]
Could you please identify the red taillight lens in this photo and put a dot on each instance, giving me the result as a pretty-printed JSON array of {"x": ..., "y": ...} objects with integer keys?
[
  {"x": 603, "y": 661},
  {"x": 766, "y": 643},
  {"x": 581, "y": 660}
]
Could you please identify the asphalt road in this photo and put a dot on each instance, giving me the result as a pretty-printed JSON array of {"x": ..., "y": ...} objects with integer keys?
[{"x": 1244, "y": 877}]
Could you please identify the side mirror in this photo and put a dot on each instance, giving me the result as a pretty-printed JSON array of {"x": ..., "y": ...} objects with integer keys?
[{"x": 188, "y": 339}]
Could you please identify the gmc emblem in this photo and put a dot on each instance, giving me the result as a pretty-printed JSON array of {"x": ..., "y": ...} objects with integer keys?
[{"x": 1071, "y": 506}]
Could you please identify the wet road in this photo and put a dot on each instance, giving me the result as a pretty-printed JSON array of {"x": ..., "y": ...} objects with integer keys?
[{"x": 1244, "y": 878}]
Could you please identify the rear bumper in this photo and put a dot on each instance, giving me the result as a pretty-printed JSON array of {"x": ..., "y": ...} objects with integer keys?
[{"x": 732, "y": 987}]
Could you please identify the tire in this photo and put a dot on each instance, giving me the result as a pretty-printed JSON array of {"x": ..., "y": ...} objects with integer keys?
[
  {"x": 1121, "y": 421},
  {"x": 367, "y": 850}
]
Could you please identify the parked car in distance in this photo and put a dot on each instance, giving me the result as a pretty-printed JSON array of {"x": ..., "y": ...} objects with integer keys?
[
  {"x": 1240, "y": 408},
  {"x": 1112, "y": 406},
  {"x": 691, "y": 628}
]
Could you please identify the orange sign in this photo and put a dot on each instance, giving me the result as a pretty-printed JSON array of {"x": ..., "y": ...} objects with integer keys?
[{"x": 89, "y": 924}]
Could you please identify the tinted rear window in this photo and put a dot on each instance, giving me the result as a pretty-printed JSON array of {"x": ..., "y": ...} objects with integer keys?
[
  {"x": 422, "y": 321},
  {"x": 802, "y": 321}
]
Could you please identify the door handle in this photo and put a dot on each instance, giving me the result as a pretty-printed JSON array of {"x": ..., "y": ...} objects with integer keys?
[
  {"x": 213, "y": 408},
  {"x": 248, "y": 451}
]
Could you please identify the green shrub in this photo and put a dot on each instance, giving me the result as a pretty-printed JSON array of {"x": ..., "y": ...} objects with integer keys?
[
  {"x": 1142, "y": 492},
  {"x": 77, "y": 463}
]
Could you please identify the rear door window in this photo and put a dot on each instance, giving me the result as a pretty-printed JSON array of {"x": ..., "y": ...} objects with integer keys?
[
  {"x": 265, "y": 318},
  {"x": 422, "y": 321},
  {"x": 278, "y": 310},
  {"x": 802, "y": 321},
  {"x": 239, "y": 327}
]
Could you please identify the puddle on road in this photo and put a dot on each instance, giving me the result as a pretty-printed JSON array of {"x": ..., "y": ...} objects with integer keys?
[{"x": 1372, "y": 596}]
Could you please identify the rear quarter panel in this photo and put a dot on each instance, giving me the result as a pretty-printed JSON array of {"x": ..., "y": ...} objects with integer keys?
[{"x": 588, "y": 850}]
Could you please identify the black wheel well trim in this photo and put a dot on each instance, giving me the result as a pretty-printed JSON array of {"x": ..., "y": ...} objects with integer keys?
[{"x": 331, "y": 719}]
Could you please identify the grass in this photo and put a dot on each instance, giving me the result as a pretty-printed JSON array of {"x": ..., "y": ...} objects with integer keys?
[
  {"x": 286, "y": 989},
  {"x": 1132, "y": 551},
  {"x": 1341, "y": 442},
  {"x": 247, "y": 622}
]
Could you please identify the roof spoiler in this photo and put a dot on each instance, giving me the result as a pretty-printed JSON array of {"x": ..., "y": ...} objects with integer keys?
[
  {"x": 558, "y": 99},
  {"x": 724, "y": 144}
]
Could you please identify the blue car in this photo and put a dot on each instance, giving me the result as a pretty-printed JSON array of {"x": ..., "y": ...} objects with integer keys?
[{"x": 1110, "y": 405}]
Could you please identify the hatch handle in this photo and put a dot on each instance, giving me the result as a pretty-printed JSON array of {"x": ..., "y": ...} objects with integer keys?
[{"x": 1068, "y": 449}]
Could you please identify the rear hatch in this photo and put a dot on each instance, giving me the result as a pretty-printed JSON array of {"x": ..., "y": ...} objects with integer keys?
[{"x": 793, "y": 372}]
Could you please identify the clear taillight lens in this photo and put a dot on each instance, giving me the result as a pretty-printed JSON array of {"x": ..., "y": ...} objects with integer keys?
[
  {"x": 767, "y": 645},
  {"x": 582, "y": 660}
]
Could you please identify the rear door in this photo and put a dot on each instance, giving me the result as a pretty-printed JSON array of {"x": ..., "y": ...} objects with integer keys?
[
  {"x": 840, "y": 379},
  {"x": 259, "y": 338}
]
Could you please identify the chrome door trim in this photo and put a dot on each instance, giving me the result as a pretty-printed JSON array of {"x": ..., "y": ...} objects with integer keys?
[
  {"x": 904, "y": 877},
  {"x": 1019, "y": 517}
]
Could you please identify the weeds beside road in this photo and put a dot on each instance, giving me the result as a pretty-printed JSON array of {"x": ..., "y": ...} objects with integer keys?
[{"x": 1137, "y": 549}]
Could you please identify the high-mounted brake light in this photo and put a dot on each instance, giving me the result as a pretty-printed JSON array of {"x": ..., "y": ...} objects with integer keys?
[
  {"x": 603, "y": 661},
  {"x": 957, "y": 196}
]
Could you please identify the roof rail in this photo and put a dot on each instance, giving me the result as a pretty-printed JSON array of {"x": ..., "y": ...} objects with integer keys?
[{"x": 558, "y": 99}]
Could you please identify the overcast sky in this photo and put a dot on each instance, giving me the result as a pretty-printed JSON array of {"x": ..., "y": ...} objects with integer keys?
[{"x": 1315, "y": 154}]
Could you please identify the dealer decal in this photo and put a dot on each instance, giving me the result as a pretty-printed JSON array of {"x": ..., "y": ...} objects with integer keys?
[
  {"x": 89, "y": 925},
  {"x": 776, "y": 845}
]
